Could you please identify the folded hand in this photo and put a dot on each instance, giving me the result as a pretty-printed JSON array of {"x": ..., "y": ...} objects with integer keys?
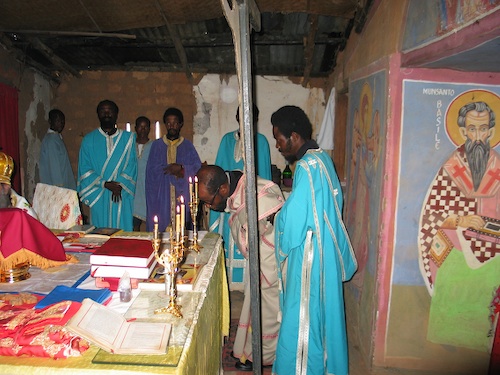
[
  {"x": 116, "y": 190},
  {"x": 174, "y": 169}
]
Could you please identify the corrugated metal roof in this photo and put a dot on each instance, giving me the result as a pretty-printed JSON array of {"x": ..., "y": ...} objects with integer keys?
[{"x": 74, "y": 35}]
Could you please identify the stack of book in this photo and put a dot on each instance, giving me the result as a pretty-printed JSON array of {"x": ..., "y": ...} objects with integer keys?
[{"x": 117, "y": 256}]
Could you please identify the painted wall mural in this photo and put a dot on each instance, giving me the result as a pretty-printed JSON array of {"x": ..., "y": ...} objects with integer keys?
[
  {"x": 367, "y": 132},
  {"x": 458, "y": 12},
  {"x": 448, "y": 225},
  {"x": 430, "y": 19}
]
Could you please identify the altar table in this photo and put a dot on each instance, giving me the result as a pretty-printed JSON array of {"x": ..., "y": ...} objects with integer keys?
[{"x": 201, "y": 352}]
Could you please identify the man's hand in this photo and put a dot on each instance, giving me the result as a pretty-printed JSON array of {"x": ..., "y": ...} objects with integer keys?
[
  {"x": 174, "y": 169},
  {"x": 116, "y": 189}
]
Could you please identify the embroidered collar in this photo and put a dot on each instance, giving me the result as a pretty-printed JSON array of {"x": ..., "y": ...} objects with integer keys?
[{"x": 309, "y": 144}]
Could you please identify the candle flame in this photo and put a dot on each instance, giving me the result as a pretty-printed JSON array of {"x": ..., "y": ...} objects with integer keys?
[{"x": 155, "y": 219}]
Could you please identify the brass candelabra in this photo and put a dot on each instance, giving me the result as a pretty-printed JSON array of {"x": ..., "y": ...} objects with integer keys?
[
  {"x": 170, "y": 257},
  {"x": 193, "y": 206}
]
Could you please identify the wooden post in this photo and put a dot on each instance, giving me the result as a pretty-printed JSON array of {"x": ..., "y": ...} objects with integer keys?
[{"x": 243, "y": 15}]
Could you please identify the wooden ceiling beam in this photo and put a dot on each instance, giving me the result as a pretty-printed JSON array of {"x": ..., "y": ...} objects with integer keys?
[
  {"x": 173, "y": 68},
  {"x": 71, "y": 33},
  {"x": 179, "y": 48},
  {"x": 309, "y": 47},
  {"x": 24, "y": 59},
  {"x": 218, "y": 40},
  {"x": 52, "y": 57},
  {"x": 90, "y": 16},
  {"x": 361, "y": 14}
]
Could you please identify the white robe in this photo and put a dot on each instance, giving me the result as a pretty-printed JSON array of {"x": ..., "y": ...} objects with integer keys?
[{"x": 269, "y": 201}]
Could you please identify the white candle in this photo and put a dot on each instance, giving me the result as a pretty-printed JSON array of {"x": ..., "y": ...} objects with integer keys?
[
  {"x": 190, "y": 188},
  {"x": 128, "y": 126},
  {"x": 155, "y": 232},
  {"x": 183, "y": 215},
  {"x": 178, "y": 220},
  {"x": 157, "y": 129},
  {"x": 196, "y": 187}
]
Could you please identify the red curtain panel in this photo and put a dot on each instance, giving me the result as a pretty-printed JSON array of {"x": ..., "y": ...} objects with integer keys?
[{"x": 9, "y": 130}]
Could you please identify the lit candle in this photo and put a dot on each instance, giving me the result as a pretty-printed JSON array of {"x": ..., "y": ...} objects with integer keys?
[
  {"x": 155, "y": 233},
  {"x": 178, "y": 220},
  {"x": 128, "y": 126},
  {"x": 157, "y": 129},
  {"x": 196, "y": 188},
  {"x": 183, "y": 215},
  {"x": 190, "y": 188}
]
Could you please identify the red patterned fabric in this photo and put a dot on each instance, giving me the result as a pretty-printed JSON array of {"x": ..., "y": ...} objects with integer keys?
[{"x": 39, "y": 333}]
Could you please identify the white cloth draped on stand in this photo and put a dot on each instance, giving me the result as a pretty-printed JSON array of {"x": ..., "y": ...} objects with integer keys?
[
  {"x": 57, "y": 207},
  {"x": 325, "y": 135}
]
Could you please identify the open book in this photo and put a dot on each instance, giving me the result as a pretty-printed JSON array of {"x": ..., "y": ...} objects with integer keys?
[
  {"x": 112, "y": 332},
  {"x": 82, "y": 229},
  {"x": 103, "y": 231}
]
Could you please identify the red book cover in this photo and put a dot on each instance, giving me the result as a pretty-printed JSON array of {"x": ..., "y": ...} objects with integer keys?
[{"x": 123, "y": 252}]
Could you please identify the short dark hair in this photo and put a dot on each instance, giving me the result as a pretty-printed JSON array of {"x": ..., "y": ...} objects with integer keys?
[
  {"x": 212, "y": 176},
  {"x": 289, "y": 119},
  {"x": 173, "y": 112},
  {"x": 54, "y": 113},
  {"x": 141, "y": 119},
  {"x": 475, "y": 106},
  {"x": 108, "y": 102},
  {"x": 255, "y": 113}
]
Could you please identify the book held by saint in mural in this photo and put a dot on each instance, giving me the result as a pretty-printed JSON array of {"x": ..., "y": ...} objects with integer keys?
[
  {"x": 124, "y": 252},
  {"x": 490, "y": 231},
  {"x": 110, "y": 331}
]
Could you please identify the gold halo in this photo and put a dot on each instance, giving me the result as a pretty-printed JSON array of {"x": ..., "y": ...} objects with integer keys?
[{"x": 488, "y": 97}]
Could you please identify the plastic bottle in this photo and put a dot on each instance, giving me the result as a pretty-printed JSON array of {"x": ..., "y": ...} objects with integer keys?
[
  {"x": 125, "y": 288},
  {"x": 287, "y": 176}
]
